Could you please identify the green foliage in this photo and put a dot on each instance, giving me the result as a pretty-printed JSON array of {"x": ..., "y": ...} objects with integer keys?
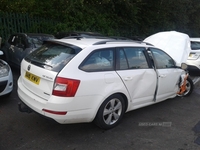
[{"x": 110, "y": 17}]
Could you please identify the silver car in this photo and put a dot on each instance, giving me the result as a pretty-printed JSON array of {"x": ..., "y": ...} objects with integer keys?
[{"x": 6, "y": 78}]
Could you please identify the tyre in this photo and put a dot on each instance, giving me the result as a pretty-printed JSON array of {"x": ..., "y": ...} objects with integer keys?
[
  {"x": 110, "y": 112},
  {"x": 189, "y": 87}
]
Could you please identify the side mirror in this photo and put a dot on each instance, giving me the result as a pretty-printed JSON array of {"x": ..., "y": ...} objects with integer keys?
[
  {"x": 1, "y": 53},
  {"x": 184, "y": 66}
]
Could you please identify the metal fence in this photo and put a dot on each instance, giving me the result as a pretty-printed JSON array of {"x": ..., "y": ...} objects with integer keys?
[{"x": 13, "y": 22}]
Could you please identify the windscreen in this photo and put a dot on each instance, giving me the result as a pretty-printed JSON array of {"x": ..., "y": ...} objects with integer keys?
[{"x": 51, "y": 56}]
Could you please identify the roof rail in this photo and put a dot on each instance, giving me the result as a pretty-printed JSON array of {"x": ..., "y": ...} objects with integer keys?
[
  {"x": 104, "y": 42},
  {"x": 109, "y": 39},
  {"x": 88, "y": 37},
  {"x": 116, "y": 40}
]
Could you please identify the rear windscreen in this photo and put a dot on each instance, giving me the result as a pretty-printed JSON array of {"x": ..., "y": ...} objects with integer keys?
[{"x": 52, "y": 56}]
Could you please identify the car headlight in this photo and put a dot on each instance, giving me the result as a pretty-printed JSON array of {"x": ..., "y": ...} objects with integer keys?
[
  {"x": 4, "y": 70},
  {"x": 194, "y": 55}
]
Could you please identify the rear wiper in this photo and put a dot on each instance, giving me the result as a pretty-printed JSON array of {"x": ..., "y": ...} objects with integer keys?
[{"x": 43, "y": 65}]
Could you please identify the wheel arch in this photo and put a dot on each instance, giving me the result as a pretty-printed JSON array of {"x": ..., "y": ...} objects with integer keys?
[
  {"x": 117, "y": 93},
  {"x": 99, "y": 117},
  {"x": 125, "y": 100}
]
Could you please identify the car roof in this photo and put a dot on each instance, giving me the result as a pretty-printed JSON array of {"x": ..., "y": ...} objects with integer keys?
[
  {"x": 34, "y": 34},
  {"x": 63, "y": 34},
  {"x": 195, "y": 39},
  {"x": 84, "y": 42}
]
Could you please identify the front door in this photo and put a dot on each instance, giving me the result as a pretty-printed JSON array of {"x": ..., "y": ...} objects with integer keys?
[
  {"x": 17, "y": 49},
  {"x": 168, "y": 74}
]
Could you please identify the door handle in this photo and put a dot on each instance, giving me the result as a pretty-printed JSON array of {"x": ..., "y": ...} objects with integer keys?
[
  {"x": 163, "y": 75},
  {"x": 128, "y": 78}
]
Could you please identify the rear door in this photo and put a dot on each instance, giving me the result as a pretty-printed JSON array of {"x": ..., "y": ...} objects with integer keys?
[
  {"x": 37, "y": 80},
  {"x": 10, "y": 47},
  {"x": 137, "y": 75}
]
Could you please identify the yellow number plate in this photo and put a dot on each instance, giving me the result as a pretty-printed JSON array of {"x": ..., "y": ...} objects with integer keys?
[{"x": 33, "y": 78}]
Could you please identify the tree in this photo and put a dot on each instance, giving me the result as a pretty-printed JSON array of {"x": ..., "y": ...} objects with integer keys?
[{"x": 119, "y": 17}]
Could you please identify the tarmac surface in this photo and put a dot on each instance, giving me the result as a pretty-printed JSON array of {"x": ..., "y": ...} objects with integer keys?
[{"x": 170, "y": 125}]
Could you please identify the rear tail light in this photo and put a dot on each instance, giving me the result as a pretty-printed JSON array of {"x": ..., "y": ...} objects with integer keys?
[{"x": 65, "y": 87}]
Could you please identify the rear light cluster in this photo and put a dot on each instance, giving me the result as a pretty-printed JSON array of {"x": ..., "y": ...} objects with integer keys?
[{"x": 65, "y": 87}]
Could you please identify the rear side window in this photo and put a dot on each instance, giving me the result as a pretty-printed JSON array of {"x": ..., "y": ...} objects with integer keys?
[
  {"x": 51, "y": 56},
  {"x": 99, "y": 60},
  {"x": 195, "y": 45}
]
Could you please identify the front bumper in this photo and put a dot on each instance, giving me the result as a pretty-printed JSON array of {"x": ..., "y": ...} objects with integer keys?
[
  {"x": 193, "y": 65},
  {"x": 6, "y": 84}
]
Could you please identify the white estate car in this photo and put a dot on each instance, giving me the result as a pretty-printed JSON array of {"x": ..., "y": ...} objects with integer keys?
[
  {"x": 85, "y": 80},
  {"x": 6, "y": 78},
  {"x": 193, "y": 60}
]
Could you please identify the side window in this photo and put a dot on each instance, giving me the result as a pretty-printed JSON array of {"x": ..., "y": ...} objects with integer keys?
[
  {"x": 195, "y": 45},
  {"x": 162, "y": 59},
  {"x": 20, "y": 42},
  {"x": 99, "y": 60},
  {"x": 131, "y": 58},
  {"x": 16, "y": 40}
]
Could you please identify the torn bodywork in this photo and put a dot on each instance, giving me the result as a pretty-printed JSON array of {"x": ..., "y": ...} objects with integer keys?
[{"x": 185, "y": 86}]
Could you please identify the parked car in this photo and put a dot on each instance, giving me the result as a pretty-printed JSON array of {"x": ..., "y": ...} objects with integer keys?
[
  {"x": 6, "y": 78},
  {"x": 193, "y": 60},
  {"x": 19, "y": 45},
  {"x": 85, "y": 80}
]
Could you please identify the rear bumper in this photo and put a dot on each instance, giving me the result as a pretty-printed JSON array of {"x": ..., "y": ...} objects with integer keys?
[
  {"x": 81, "y": 109},
  {"x": 24, "y": 108}
]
